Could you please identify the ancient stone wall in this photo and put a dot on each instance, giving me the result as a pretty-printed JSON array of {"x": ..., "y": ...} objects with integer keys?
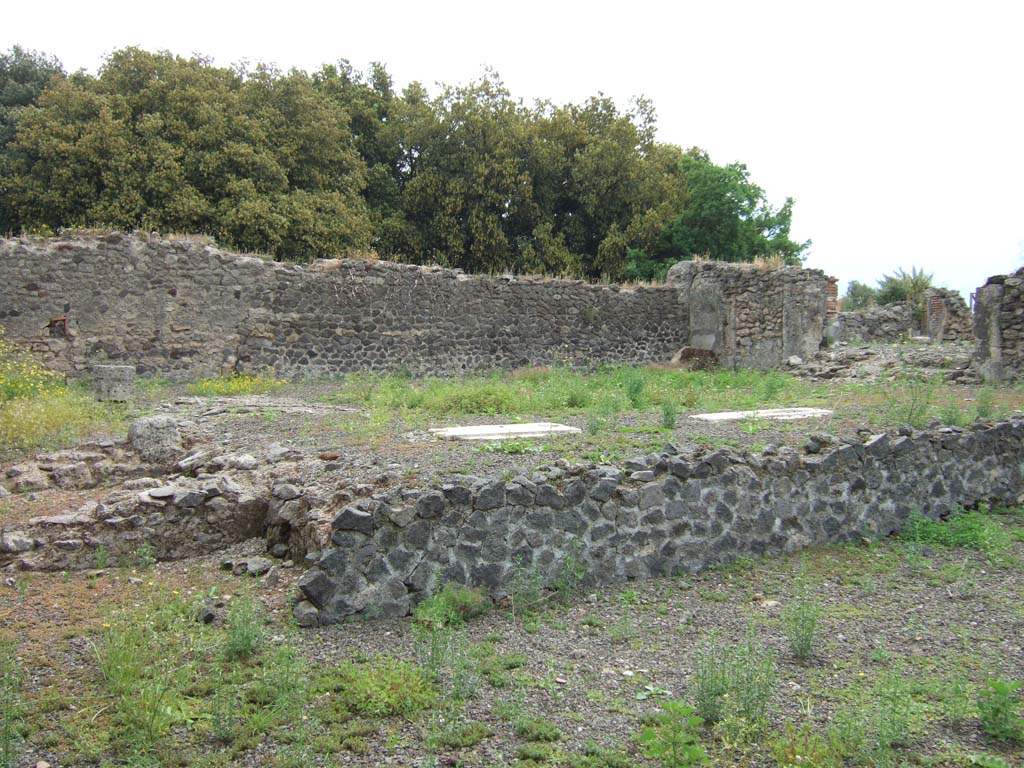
[
  {"x": 659, "y": 515},
  {"x": 752, "y": 317},
  {"x": 889, "y": 323},
  {"x": 999, "y": 327},
  {"x": 946, "y": 318},
  {"x": 182, "y": 308}
]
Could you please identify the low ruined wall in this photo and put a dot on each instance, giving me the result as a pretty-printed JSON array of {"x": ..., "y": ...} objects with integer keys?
[
  {"x": 947, "y": 316},
  {"x": 752, "y": 317},
  {"x": 999, "y": 327},
  {"x": 889, "y": 323},
  {"x": 182, "y": 308},
  {"x": 661, "y": 515}
]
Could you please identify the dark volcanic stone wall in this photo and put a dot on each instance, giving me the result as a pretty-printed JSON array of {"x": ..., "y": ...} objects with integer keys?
[
  {"x": 659, "y": 515},
  {"x": 999, "y": 327},
  {"x": 183, "y": 308}
]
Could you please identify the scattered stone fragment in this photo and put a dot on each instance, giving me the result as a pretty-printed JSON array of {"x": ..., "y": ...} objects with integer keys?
[
  {"x": 205, "y": 615},
  {"x": 241, "y": 461},
  {"x": 156, "y": 439},
  {"x": 306, "y": 614},
  {"x": 15, "y": 542}
]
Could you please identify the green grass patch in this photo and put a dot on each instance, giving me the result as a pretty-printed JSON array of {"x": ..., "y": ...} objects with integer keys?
[
  {"x": 601, "y": 393},
  {"x": 37, "y": 409},
  {"x": 977, "y": 530}
]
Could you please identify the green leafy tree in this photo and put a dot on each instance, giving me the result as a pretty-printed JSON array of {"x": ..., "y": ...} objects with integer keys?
[
  {"x": 301, "y": 166},
  {"x": 260, "y": 159},
  {"x": 903, "y": 286},
  {"x": 859, "y": 296},
  {"x": 23, "y": 76},
  {"x": 727, "y": 217}
]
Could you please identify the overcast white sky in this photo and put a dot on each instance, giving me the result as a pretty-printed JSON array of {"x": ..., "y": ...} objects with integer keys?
[{"x": 897, "y": 126}]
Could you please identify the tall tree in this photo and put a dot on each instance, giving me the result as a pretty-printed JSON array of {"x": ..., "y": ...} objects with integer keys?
[
  {"x": 727, "y": 217},
  {"x": 260, "y": 159},
  {"x": 23, "y": 76}
]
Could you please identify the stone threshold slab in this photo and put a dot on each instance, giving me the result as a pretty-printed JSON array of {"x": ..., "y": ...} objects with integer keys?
[
  {"x": 504, "y": 431},
  {"x": 776, "y": 414}
]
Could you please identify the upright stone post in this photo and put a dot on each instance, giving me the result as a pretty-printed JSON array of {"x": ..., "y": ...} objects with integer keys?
[{"x": 113, "y": 383}]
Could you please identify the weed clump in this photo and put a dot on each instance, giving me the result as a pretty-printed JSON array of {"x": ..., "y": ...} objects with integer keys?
[
  {"x": 801, "y": 618},
  {"x": 244, "y": 631},
  {"x": 965, "y": 529},
  {"x": 673, "y": 739},
  {"x": 452, "y": 605},
  {"x": 999, "y": 708},
  {"x": 235, "y": 384},
  {"x": 387, "y": 686},
  {"x": 37, "y": 408},
  {"x": 10, "y": 707},
  {"x": 737, "y": 679}
]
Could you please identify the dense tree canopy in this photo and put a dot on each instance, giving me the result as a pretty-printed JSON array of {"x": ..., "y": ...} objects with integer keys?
[{"x": 338, "y": 162}]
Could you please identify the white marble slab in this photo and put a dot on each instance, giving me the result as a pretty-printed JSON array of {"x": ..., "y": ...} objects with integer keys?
[
  {"x": 504, "y": 431},
  {"x": 776, "y": 414}
]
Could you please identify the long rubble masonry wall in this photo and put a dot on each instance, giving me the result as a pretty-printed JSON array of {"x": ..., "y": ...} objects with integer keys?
[
  {"x": 659, "y": 515},
  {"x": 182, "y": 308},
  {"x": 999, "y": 327}
]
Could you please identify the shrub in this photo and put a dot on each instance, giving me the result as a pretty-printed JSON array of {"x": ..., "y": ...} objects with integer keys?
[
  {"x": 999, "y": 708},
  {"x": 527, "y": 590},
  {"x": 912, "y": 397},
  {"x": 452, "y": 605},
  {"x": 800, "y": 747},
  {"x": 985, "y": 403},
  {"x": 634, "y": 386},
  {"x": 571, "y": 572},
  {"x": 669, "y": 414},
  {"x": 673, "y": 739}
]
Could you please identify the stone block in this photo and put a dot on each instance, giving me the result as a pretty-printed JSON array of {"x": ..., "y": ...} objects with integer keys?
[{"x": 113, "y": 383}]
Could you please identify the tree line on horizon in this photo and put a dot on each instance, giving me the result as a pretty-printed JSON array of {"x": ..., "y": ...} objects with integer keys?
[{"x": 338, "y": 162}]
